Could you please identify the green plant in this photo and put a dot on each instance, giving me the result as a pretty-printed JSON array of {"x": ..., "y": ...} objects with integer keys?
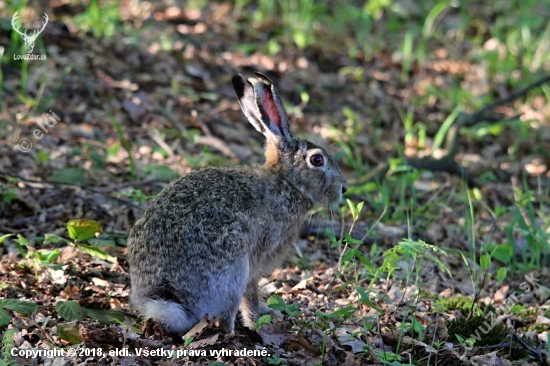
[
  {"x": 390, "y": 358},
  {"x": 136, "y": 195},
  {"x": 299, "y": 18},
  {"x": 277, "y": 303},
  {"x": 114, "y": 122},
  {"x": 274, "y": 360},
  {"x": 458, "y": 302},
  {"x": 81, "y": 230},
  {"x": 8, "y": 343},
  {"x": 348, "y": 142},
  {"x": 412, "y": 128},
  {"x": 71, "y": 310},
  {"x": 102, "y": 21},
  {"x": 411, "y": 250},
  {"x": 187, "y": 341},
  {"x": 20, "y": 306},
  {"x": 39, "y": 259},
  {"x": 517, "y": 308}
]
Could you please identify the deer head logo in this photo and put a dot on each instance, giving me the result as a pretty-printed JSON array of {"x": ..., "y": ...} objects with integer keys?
[{"x": 29, "y": 39}]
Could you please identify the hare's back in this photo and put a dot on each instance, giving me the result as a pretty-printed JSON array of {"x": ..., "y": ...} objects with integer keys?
[
  {"x": 202, "y": 194},
  {"x": 197, "y": 220},
  {"x": 204, "y": 211}
]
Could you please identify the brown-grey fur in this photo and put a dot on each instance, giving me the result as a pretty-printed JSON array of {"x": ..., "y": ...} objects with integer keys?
[{"x": 209, "y": 236}]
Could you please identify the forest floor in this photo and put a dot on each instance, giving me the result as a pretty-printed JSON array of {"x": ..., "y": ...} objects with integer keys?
[{"x": 429, "y": 270}]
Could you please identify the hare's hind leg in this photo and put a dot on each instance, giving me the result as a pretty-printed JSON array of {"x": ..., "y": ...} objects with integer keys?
[
  {"x": 249, "y": 307},
  {"x": 223, "y": 293}
]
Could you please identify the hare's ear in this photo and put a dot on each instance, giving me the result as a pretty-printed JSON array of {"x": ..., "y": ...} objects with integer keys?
[{"x": 263, "y": 108}]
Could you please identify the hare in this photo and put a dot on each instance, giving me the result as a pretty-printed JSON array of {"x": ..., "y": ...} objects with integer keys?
[{"x": 208, "y": 237}]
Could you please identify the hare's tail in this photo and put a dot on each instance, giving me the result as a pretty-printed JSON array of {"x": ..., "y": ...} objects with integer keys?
[{"x": 169, "y": 313}]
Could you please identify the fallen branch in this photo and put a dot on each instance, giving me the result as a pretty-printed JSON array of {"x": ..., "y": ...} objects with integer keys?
[
  {"x": 30, "y": 182},
  {"x": 448, "y": 163},
  {"x": 535, "y": 352}
]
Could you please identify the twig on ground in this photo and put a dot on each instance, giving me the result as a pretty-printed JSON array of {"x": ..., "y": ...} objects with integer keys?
[
  {"x": 535, "y": 352},
  {"x": 134, "y": 184},
  {"x": 448, "y": 163},
  {"x": 211, "y": 140},
  {"x": 155, "y": 136},
  {"x": 360, "y": 230},
  {"x": 56, "y": 183}
]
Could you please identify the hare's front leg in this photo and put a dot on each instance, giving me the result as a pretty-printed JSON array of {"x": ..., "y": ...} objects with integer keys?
[{"x": 249, "y": 304}]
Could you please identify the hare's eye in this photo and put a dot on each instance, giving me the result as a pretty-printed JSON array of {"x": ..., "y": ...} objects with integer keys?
[{"x": 316, "y": 160}]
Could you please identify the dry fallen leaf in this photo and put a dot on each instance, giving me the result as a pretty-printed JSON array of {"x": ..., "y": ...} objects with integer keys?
[
  {"x": 347, "y": 340},
  {"x": 272, "y": 334},
  {"x": 71, "y": 293},
  {"x": 198, "y": 328},
  {"x": 489, "y": 359},
  {"x": 208, "y": 341}
]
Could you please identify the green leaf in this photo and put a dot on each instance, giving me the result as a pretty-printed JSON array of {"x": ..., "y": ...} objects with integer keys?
[
  {"x": 503, "y": 253},
  {"x": 348, "y": 256},
  {"x": 96, "y": 252},
  {"x": 485, "y": 261},
  {"x": 416, "y": 326},
  {"x": 363, "y": 259},
  {"x": 442, "y": 132},
  {"x": 323, "y": 315},
  {"x": 22, "y": 241},
  {"x": 351, "y": 241},
  {"x": 68, "y": 175},
  {"x": 43, "y": 157},
  {"x": 501, "y": 274},
  {"x": 69, "y": 310},
  {"x": 3, "y": 237},
  {"x": 274, "y": 360},
  {"x": 276, "y": 302},
  {"x": 57, "y": 267},
  {"x": 21, "y": 306},
  {"x": 48, "y": 256},
  {"x": 105, "y": 316},
  {"x": 54, "y": 239},
  {"x": 366, "y": 300},
  {"x": 359, "y": 207},
  {"x": 345, "y": 312},
  {"x": 352, "y": 208},
  {"x": 292, "y": 310},
  {"x": 300, "y": 38},
  {"x": 264, "y": 319},
  {"x": 69, "y": 333},
  {"x": 5, "y": 317},
  {"x": 83, "y": 229},
  {"x": 355, "y": 210}
]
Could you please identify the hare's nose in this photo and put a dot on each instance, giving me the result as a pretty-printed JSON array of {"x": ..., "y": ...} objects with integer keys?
[{"x": 344, "y": 189}]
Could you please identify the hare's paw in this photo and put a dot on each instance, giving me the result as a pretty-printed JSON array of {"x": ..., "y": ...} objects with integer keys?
[{"x": 227, "y": 323}]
